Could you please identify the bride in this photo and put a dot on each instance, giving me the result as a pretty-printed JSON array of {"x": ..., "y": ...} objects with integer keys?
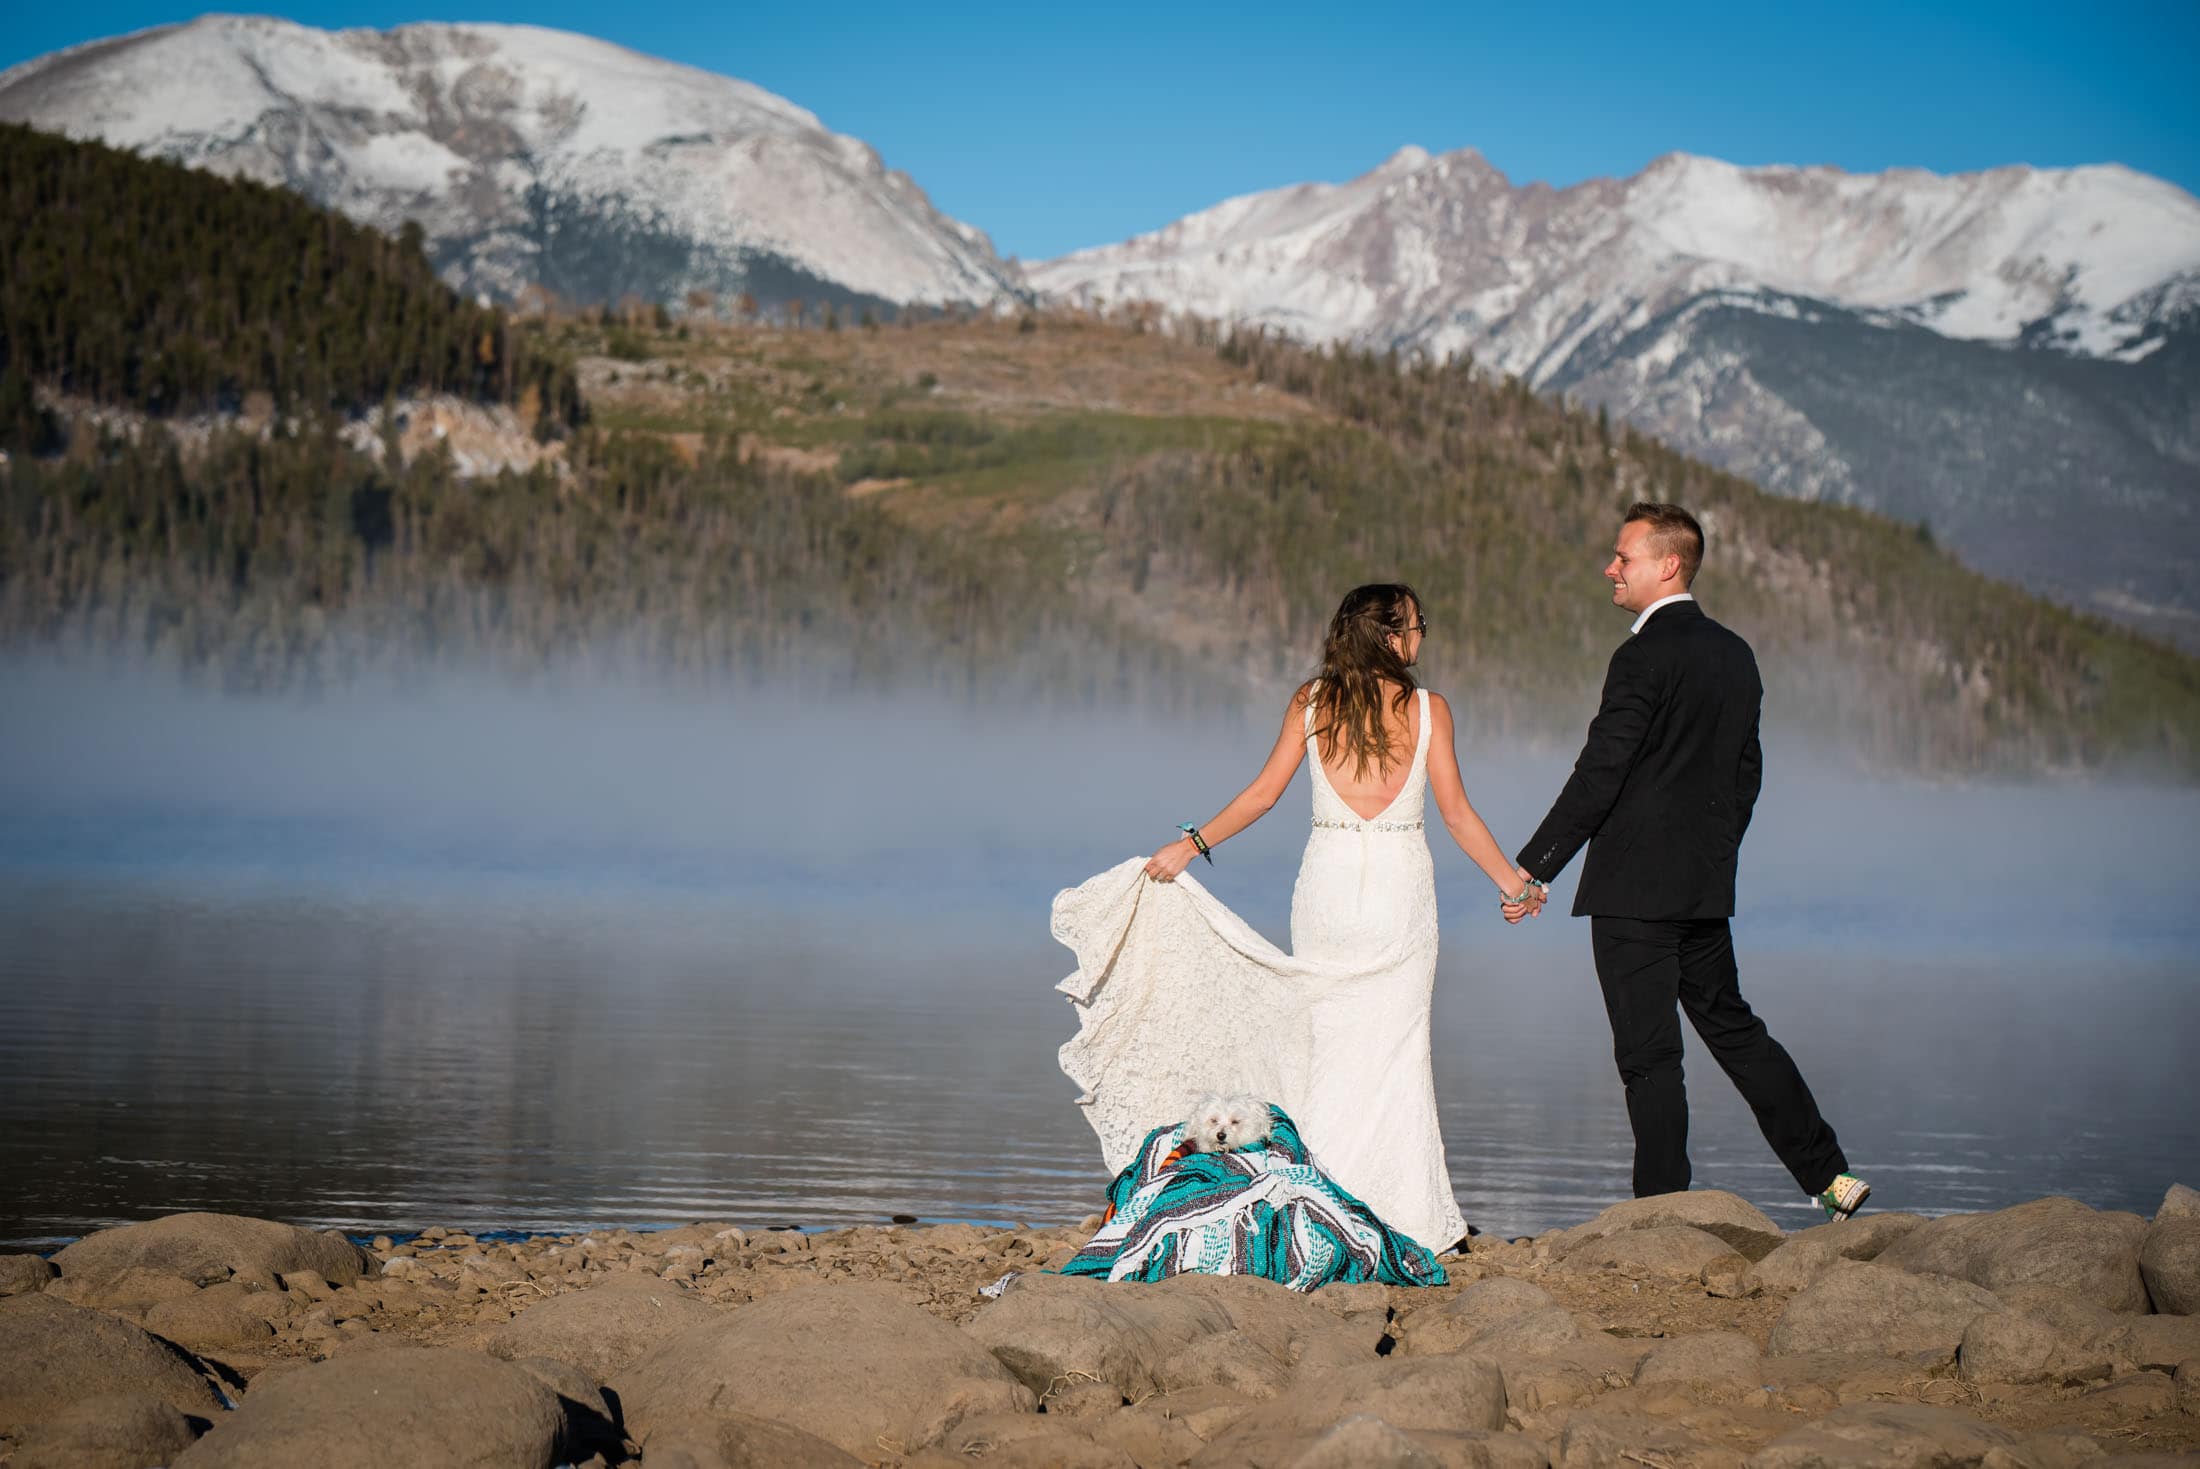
[{"x": 1179, "y": 998}]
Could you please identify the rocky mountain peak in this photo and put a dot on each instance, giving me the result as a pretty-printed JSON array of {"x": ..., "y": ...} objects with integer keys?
[{"x": 529, "y": 156}]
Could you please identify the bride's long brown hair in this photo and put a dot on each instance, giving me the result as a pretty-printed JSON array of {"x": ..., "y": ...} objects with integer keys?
[{"x": 1357, "y": 660}]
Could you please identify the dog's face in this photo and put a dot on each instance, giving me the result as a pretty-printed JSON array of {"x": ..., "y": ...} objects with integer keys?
[{"x": 1225, "y": 1124}]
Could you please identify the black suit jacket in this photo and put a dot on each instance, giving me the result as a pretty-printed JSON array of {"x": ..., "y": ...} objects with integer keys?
[{"x": 1667, "y": 778}]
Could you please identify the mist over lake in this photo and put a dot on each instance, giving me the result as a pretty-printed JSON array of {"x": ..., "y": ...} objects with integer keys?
[{"x": 597, "y": 953}]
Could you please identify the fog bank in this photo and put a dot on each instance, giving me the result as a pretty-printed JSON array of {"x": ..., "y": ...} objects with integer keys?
[{"x": 924, "y": 804}]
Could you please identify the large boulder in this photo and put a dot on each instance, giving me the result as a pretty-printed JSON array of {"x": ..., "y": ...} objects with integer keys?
[
  {"x": 2009, "y": 1346},
  {"x": 2169, "y": 1262},
  {"x": 1364, "y": 1441},
  {"x": 403, "y": 1405},
  {"x": 1224, "y": 1360},
  {"x": 1487, "y": 1302},
  {"x": 1611, "y": 1360},
  {"x": 210, "y": 1321},
  {"x": 126, "y": 1430},
  {"x": 1810, "y": 1253},
  {"x": 1866, "y": 1307},
  {"x": 1159, "y": 1337},
  {"x": 132, "y": 1292},
  {"x": 1539, "y": 1385},
  {"x": 1731, "y": 1218},
  {"x": 206, "y": 1248},
  {"x": 1483, "y": 1306},
  {"x": 54, "y": 1356},
  {"x": 2058, "y": 1242},
  {"x": 724, "y": 1440},
  {"x": 1678, "y": 1251},
  {"x": 1027, "y": 1441},
  {"x": 21, "y": 1274},
  {"x": 2179, "y": 1203},
  {"x": 2138, "y": 1395},
  {"x": 1613, "y": 1437},
  {"x": 1885, "y": 1433},
  {"x": 1148, "y": 1437},
  {"x": 1287, "y": 1325},
  {"x": 851, "y": 1364},
  {"x": 1449, "y": 1395},
  {"x": 2079, "y": 1319},
  {"x": 605, "y": 1329},
  {"x": 1532, "y": 1334},
  {"x": 1821, "y": 1381},
  {"x": 2158, "y": 1343},
  {"x": 1714, "y": 1359}
]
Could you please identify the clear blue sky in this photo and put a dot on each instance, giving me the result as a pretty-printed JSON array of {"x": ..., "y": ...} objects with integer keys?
[{"x": 1054, "y": 127}]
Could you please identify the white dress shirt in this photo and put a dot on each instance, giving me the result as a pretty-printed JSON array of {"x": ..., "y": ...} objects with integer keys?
[{"x": 1654, "y": 606}]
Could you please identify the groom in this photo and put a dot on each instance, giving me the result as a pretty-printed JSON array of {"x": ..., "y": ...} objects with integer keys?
[{"x": 1662, "y": 793}]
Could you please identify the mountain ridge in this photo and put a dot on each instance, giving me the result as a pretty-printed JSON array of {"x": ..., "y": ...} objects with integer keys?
[
  {"x": 1628, "y": 295},
  {"x": 530, "y": 156},
  {"x": 1669, "y": 200}
]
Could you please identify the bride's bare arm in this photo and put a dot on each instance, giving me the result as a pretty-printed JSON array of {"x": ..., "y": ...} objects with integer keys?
[
  {"x": 1460, "y": 818},
  {"x": 1250, "y": 804}
]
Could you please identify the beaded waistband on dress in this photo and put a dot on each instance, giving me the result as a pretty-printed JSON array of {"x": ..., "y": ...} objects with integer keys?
[{"x": 1368, "y": 825}]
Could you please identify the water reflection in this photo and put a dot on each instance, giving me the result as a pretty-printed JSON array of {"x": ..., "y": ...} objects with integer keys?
[{"x": 532, "y": 1061}]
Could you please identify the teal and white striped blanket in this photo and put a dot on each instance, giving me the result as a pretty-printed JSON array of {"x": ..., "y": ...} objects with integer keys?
[{"x": 1262, "y": 1211}]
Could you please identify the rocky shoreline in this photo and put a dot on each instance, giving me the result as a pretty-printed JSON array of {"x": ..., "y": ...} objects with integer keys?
[{"x": 1676, "y": 1331}]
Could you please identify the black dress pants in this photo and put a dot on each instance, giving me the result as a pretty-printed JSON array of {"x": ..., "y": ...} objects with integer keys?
[{"x": 1646, "y": 966}]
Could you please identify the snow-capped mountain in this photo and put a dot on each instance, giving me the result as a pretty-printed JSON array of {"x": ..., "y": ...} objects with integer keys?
[
  {"x": 527, "y": 155},
  {"x": 2011, "y": 356},
  {"x": 1443, "y": 253}
]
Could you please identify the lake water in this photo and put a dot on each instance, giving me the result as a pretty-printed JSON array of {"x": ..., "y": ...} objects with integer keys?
[{"x": 598, "y": 958}]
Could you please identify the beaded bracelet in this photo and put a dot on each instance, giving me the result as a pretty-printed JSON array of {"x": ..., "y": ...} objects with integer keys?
[{"x": 1199, "y": 843}]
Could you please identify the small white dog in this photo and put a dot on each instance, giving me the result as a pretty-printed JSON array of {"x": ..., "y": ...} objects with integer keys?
[{"x": 1226, "y": 1124}]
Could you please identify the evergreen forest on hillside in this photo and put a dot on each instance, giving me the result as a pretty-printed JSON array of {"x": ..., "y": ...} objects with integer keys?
[
  {"x": 1054, "y": 507},
  {"x": 149, "y": 286}
]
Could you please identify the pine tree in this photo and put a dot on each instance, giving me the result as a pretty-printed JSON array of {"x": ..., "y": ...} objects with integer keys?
[{"x": 25, "y": 427}]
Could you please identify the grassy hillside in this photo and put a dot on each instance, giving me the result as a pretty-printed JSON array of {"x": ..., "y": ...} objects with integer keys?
[
  {"x": 1075, "y": 510},
  {"x": 1215, "y": 496}
]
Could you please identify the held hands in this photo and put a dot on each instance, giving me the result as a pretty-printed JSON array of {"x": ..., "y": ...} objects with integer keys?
[
  {"x": 1532, "y": 896},
  {"x": 1171, "y": 860}
]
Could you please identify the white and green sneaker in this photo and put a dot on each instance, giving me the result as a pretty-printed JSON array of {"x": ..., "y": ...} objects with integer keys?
[{"x": 1844, "y": 1196}]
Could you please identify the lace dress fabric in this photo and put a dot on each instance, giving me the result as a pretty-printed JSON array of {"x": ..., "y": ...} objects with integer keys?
[{"x": 1178, "y": 997}]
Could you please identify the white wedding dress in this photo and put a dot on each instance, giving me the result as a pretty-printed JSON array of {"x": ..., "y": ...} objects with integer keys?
[{"x": 1177, "y": 997}]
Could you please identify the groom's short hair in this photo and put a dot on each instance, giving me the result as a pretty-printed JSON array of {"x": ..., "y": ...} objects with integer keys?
[{"x": 1673, "y": 531}]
